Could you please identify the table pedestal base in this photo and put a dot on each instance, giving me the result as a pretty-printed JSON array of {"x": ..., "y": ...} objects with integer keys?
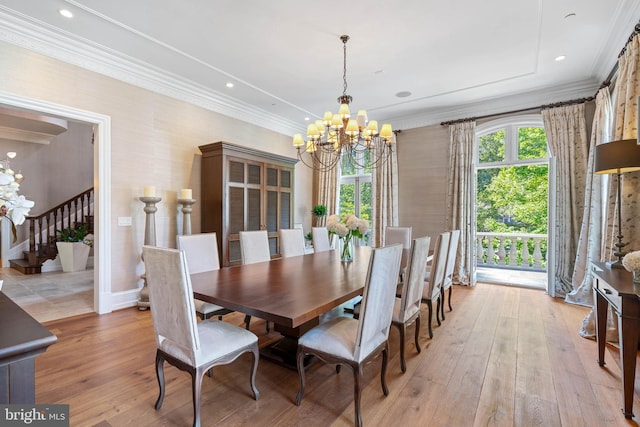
[{"x": 283, "y": 352}]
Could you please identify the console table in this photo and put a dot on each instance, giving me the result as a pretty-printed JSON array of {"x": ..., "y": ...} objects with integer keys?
[
  {"x": 614, "y": 286},
  {"x": 22, "y": 338}
]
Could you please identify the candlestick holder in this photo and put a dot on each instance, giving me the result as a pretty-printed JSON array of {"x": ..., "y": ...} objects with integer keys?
[
  {"x": 150, "y": 240},
  {"x": 186, "y": 212}
]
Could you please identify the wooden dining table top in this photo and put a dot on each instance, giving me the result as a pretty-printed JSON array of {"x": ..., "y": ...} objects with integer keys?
[{"x": 288, "y": 291}]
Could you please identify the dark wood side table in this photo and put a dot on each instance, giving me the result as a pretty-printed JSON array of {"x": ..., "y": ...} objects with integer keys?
[
  {"x": 614, "y": 286},
  {"x": 22, "y": 338}
]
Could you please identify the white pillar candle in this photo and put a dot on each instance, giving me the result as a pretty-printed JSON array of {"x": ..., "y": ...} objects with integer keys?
[
  {"x": 186, "y": 193},
  {"x": 149, "y": 191}
]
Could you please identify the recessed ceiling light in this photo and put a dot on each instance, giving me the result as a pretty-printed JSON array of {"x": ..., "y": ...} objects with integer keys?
[
  {"x": 306, "y": 119},
  {"x": 229, "y": 85},
  {"x": 66, "y": 13},
  {"x": 403, "y": 94},
  {"x": 560, "y": 58}
]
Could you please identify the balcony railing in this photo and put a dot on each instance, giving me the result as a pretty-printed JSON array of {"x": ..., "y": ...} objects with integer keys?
[{"x": 518, "y": 251}]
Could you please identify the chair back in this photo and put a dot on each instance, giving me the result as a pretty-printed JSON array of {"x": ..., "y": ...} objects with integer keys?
[
  {"x": 254, "y": 246},
  {"x": 438, "y": 265},
  {"x": 377, "y": 300},
  {"x": 402, "y": 235},
  {"x": 171, "y": 300},
  {"x": 451, "y": 258},
  {"x": 291, "y": 242},
  {"x": 414, "y": 282},
  {"x": 320, "y": 237},
  {"x": 201, "y": 251}
]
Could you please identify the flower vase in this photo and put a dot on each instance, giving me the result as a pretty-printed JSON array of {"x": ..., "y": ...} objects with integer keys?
[
  {"x": 346, "y": 249},
  {"x": 636, "y": 276}
]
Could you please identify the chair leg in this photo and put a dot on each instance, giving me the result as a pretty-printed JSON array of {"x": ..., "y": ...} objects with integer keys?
[
  {"x": 417, "y": 334},
  {"x": 300, "y": 363},
  {"x": 196, "y": 390},
  {"x": 160, "y": 377},
  {"x": 357, "y": 375},
  {"x": 254, "y": 368},
  {"x": 403, "y": 365},
  {"x": 438, "y": 312},
  {"x": 449, "y": 298},
  {"x": 247, "y": 320},
  {"x": 383, "y": 371},
  {"x": 430, "y": 306},
  {"x": 442, "y": 305}
]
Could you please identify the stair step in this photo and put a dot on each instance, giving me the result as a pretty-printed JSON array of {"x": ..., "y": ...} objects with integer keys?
[{"x": 22, "y": 265}]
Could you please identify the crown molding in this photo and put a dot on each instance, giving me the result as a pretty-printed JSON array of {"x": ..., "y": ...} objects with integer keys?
[{"x": 41, "y": 38}]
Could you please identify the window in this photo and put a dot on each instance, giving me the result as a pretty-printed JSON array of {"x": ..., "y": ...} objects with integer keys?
[{"x": 355, "y": 189}]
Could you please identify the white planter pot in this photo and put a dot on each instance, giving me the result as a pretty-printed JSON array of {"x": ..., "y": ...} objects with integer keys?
[{"x": 73, "y": 255}]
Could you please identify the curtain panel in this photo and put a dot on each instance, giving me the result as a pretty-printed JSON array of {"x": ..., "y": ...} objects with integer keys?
[
  {"x": 384, "y": 197},
  {"x": 460, "y": 195},
  {"x": 567, "y": 136},
  {"x": 325, "y": 186}
]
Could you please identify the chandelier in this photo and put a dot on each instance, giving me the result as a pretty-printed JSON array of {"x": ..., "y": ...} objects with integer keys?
[{"x": 338, "y": 137}]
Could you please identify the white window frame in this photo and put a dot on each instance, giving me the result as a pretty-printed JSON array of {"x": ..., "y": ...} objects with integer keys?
[{"x": 360, "y": 177}]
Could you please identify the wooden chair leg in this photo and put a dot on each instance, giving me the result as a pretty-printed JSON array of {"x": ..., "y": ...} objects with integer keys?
[
  {"x": 160, "y": 377},
  {"x": 247, "y": 320},
  {"x": 254, "y": 368},
  {"x": 438, "y": 312},
  {"x": 300, "y": 363},
  {"x": 417, "y": 334},
  {"x": 383, "y": 371},
  {"x": 357, "y": 377},
  {"x": 442, "y": 305},
  {"x": 449, "y": 298},
  {"x": 430, "y": 306},
  {"x": 196, "y": 391},
  {"x": 403, "y": 365}
]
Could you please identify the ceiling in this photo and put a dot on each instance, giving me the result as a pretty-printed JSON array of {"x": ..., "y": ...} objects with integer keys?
[{"x": 456, "y": 58}]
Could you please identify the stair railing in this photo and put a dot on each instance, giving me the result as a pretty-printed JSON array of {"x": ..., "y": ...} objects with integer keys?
[{"x": 43, "y": 226}]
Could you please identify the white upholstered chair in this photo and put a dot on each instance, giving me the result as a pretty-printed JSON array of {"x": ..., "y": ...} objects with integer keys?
[
  {"x": 201, "y": 251},
  {"x": 452, "y": 252},
  {"x": 320, "y": 237},
  {"x": 291, "y": 242},
  {"x": 402, "y": 235},
  {"x": 345, "y": 340},
  {"x": 254, "y": 247},
  {"x": 431, "y": 292},
  {"x": 406, "y": 309},
  {"x": 190, "y": 346}
]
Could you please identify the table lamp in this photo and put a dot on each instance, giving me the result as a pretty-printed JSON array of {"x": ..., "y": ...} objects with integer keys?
[{"x": 618, "y": 157}]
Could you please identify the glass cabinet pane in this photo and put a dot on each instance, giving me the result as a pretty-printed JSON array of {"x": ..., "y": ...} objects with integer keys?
[{"x": 253, "y": 209}]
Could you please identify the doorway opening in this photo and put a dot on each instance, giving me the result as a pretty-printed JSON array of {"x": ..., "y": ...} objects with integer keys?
[{"x": 512, "y": 168}]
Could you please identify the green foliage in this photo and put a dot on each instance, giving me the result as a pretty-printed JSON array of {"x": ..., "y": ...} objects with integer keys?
[
  {"x": 491, "y": 147},
  {"x": 319, "y": 210},
  {"x": 69, "y": 234},
  {"x": 348, "y": 200},
  {"x": 532, "y": 143},
  {"x": 308, "y": 236}
]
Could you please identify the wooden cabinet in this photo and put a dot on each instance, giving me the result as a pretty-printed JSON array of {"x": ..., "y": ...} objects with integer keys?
[{"x": 243, "y": 190}]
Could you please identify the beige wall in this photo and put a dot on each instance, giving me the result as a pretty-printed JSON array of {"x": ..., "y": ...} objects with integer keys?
[
  {"x": 423, "y": 163},
  {"x": 154, "y": 141}
]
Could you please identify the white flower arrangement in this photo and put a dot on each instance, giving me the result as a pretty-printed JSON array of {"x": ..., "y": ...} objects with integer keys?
[
  {"x": 352, "y": 226},
  {"x": 13, "y": 207},
  {"x": 631, "y": 261}
]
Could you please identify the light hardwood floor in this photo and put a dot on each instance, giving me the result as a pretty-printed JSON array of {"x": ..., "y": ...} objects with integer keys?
[{"x": 505, "y": 356}]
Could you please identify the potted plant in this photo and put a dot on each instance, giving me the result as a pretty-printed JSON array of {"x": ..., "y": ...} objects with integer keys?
[
  {"x": 308, "y": 238},
  {"x": 319, "y": 212},
  {"x": 73, "y": 247}
]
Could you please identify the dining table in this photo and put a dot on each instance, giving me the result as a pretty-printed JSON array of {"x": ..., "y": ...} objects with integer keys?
[{"x": 293, "y": 293}]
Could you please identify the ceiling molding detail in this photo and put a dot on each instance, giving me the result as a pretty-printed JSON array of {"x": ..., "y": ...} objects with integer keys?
[{"x": 24, "y": 32}]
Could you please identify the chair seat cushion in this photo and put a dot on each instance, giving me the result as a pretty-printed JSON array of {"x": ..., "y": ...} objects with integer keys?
[
  {"x": 206, "y": 307},
  {"x": 336, "y": 337},
  {"x": 217, "y": 340}
]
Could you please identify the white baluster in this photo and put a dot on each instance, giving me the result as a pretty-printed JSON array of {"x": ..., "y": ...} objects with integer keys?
[
  {"x": 537, "y": 253},
  {"x": 525, "y": 252},
  {"x": 479, "y": 250},
  {"x": 491, "y": 253},
  {"x": 502, "y": 253},
  {"x": 513, "y": 252}
]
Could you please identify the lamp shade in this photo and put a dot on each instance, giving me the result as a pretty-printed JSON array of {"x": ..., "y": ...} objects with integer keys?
[{"x": 617, "y": 157}]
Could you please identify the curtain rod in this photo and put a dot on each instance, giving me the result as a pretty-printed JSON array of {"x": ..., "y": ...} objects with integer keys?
[
  {"x": 539, "y": 107},
  {"x": 605, "y": 83}
]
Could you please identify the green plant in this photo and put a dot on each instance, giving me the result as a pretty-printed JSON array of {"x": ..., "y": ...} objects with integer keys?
[
  {"x": 319, "y": 210},
  {"x": 308, "y": 236},
  {"x": 77, "y": 234}
]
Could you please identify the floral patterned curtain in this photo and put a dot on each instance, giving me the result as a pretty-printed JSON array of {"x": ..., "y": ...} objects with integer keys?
[
  {"x": 567, "y": 136},
  {"x": 325, "y": 186},
  {"x": 460, "y": 195}
]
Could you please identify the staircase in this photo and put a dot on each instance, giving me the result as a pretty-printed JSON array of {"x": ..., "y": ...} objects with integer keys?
[{"x": 42, "y": 231}]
